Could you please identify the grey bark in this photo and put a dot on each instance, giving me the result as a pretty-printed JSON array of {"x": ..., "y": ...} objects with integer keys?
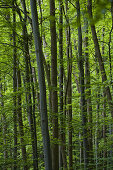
[{"x": 42, "y": 87}]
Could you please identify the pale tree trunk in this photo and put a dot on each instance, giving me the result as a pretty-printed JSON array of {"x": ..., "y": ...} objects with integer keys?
[
  {"x": 55, "y": 146},
  {"x": 14, "y": 87},
  {"x": 42, "y": 87},
  {"x": 82, "y": 90}
]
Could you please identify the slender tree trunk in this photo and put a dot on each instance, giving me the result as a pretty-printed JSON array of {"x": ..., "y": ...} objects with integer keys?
[
  {"x": 69, "y": 88},
  {"x": 36, "y": 87},
  {"x": 30, "y": 110},
  {"x": 61, "y": 84},
  {"x": 104, "y": 133},
  {"x": 34, "y": 118},
  {"x": 55, "y": 148},
  {"x": 62, "y": 153},
  {"x": 82, "y": 90},
  {"x": 104, "y": 128},
  {"x": 3, "y": 118},
  {"x": 88, "y": 97},
  {"x": 14, "y": 87},
  {"x": 70, "y": 109},
  {"x": 42, "y": 87},
  {"x": 97, "y": 119},
  {"x": 20, "y": 121},
  {"x": 109, "y": 44}
]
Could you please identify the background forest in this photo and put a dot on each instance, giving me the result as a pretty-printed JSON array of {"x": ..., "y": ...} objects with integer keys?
[{"x": 56, "y": 84}]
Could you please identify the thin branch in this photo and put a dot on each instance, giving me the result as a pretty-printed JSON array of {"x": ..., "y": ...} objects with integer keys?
[{"x": 72, "y": 4}]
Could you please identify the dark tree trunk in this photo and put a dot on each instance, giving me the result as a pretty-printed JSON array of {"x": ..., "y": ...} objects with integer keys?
[
  {"x": 69, "y": 88},
  {"x": 36, "y": 87},
  {"x": 4, "y": 126},
  {"x": 14, "y": 87},
  {"x": 55, "y": 148},
  {"x": 42, "y": 87},
  {"x": 33, "y": 109},
  {"x": 31, "y": 117},
  {"x": 104, "y": 135},
  {"x": 109, "y": 44},
  {"x": 88, "y": 97},
  {"x": 97, "y": 119},
  {"x": 20, "y": 121},
  {"x": 69, "y": 97},
  {"x": 82, "y": 90},
  {"x": 62, "y": 158},
  {"x": 104, "y": 128}
]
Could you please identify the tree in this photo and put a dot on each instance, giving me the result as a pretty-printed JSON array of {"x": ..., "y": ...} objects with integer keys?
[
  {"x": 55, "y": 148},
  {"x": 43, "y": 106}
]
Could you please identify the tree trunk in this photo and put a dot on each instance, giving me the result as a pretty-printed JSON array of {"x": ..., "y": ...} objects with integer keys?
[
  {"x": 82, "y": 90},
  {"x": 20, "y": 121},
  {"x": 4, "y": 126},
  {"x": 42, "y": 87},
  {"x": 88, "y": 97},
  {"x": 62, "y": 151},
  {"x": 32, "y": 123},
  {"x": 14, "y": 87},
  {"x": 69, "y": 88},
  {"x": 69, "y": 97},
  {"x": 55, "y": 148}
]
